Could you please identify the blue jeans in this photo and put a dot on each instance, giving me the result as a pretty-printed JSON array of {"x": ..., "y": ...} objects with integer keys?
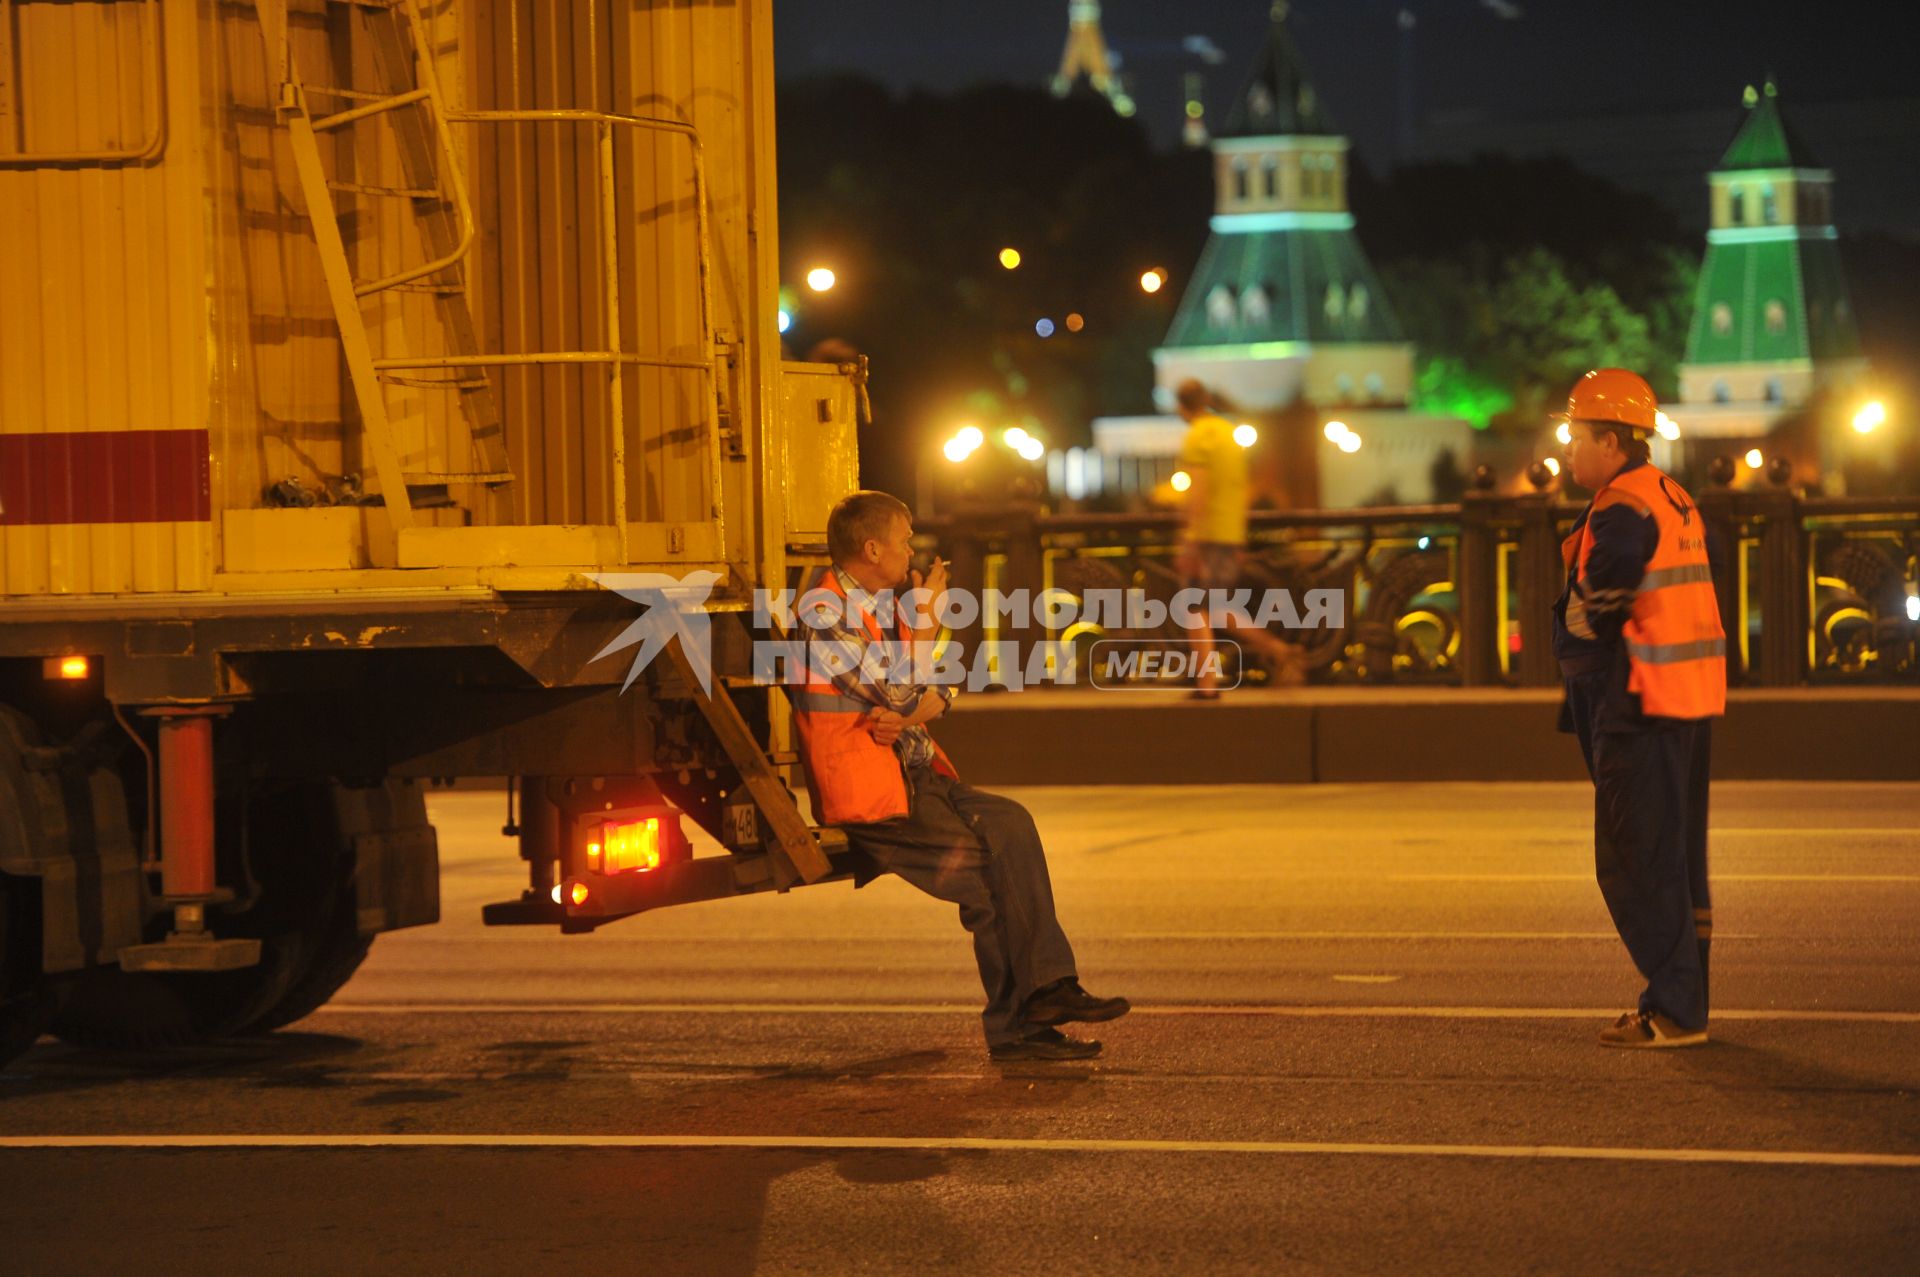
[{"x": 981, "y": 852}]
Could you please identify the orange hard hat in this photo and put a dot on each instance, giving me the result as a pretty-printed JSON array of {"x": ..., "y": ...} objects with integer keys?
[{"x": 1615, "y": 395}]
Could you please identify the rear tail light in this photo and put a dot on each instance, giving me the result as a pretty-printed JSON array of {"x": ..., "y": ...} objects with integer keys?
[
  {"x": 624, "y": 846},
  {"x": 70, "y": 668}
]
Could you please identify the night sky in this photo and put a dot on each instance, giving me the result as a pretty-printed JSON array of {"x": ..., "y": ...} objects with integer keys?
[{"x": 1481, "y": 68}]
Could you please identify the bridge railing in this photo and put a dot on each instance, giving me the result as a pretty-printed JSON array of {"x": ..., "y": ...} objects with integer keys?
[{"x": 1812, "y": 589}]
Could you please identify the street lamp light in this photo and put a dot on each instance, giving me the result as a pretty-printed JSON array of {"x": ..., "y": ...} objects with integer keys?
[
  {"x": 1245, "y": 435},
  {"x": 963, "y": 444},
  {"x": 820, "y": 279},
  {"x": 1753, "y": 459},
  {"x": 1010, "y": 258},
  {"x": 1870, "y": 418},
  {"x": 1151, "y": 281}
]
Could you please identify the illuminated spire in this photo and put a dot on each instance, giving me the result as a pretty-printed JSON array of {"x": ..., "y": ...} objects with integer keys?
[{"x": 1087, "y": 54}]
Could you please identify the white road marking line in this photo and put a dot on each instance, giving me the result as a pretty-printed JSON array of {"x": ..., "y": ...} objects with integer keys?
[
  {"x": 1587, "y": 878},
  {"x": 960, "y": 1008},
  {"x": 1394, "y": 935},
  {"x": 1820, "y": 831},
  {"x": 987, "y": 1144}
]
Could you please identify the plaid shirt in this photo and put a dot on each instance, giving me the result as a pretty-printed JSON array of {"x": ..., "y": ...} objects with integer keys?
[{"x": 859, "y": 672}]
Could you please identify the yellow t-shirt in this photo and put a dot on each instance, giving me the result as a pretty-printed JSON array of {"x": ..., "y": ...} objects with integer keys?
[{"x": 1209, "y": 449}]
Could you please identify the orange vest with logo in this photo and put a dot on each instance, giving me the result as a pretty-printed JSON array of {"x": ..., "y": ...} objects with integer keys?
[
  {"x": 854, "y": 778},
  {"x": 1676, "y": 649}
]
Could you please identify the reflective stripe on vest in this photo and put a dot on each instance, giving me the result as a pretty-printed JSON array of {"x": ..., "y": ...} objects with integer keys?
[
  {"x": 1668, "y": 653},
  {"x": 1676, "y": 649},
  {"x": 1665, "y": 577},
  {"x": 853, "y": 778}
]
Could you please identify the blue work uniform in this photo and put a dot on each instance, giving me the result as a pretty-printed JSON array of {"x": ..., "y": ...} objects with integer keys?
[{"x": 1650, "y": 773}]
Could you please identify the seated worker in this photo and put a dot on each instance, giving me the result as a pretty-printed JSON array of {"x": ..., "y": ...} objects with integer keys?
[{"x": 876, "y": 772}]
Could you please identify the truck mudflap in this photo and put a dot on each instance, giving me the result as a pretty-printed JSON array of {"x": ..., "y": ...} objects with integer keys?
[
  {"x": 63, "y": 821},
  {"x": 396, "y": 855}
]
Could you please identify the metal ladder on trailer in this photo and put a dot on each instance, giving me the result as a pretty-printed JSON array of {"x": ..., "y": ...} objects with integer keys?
[
  {"x": 407, "y": 94},
  {"x": 410, "y": 96}
]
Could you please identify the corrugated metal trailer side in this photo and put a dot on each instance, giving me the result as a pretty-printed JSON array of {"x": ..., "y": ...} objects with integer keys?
[
  {"x": 180, "y": 409},
  {"x": 342, "y": 344}
]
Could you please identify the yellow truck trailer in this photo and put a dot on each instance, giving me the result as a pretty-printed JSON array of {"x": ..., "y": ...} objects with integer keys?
[{"x": 345, "y": 349}]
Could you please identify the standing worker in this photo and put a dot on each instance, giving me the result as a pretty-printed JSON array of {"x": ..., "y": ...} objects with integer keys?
[
  {"x": 1637, "y": 634},
  {"x": 1213, "y": 532}
]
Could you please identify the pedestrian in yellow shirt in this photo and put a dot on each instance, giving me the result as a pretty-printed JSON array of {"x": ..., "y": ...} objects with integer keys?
[{"x": 1213, "y": 534}]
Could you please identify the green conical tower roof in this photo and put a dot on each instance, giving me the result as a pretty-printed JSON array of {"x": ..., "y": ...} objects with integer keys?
[
  {"x": 1765, "y": 140},
  {"x": 1318, "y": 286},
  {"x": 1277, "y": 100}
]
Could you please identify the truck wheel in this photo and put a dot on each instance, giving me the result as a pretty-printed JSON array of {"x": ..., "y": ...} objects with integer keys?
[
  {"x": 338, "y": 958},
  {"x": 301, "y": 873},
  {"x": 26, "y": 1003}
]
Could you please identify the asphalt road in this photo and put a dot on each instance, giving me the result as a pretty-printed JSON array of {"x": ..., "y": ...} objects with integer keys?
[{"x": 1363, "y": 1042}]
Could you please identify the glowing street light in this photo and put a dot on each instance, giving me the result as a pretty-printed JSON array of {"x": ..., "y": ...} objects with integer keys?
[
  {"x": 786, "y": 321},
  {"x": 1245, "y": 435},
  {"x": 1014, "y": 436},
  {"x": 1335, "y": 431},
  {"x": 1181, "y": 481},
  {"x": 1553, "y": 466},
  {"x": 1010, "y": 258},
  {"x": 1043, "y": 326},
  {"x": 1913, "y": 607},
  {"x": 1564, "y": 433},
  {"x": 963, "y": 444},
  {"x": 1666, "y": 427},
  {"x": 1031, "y": 449},
  {"x": 1753, "y": 459},
  {"x": 1870, "y": 418},
  {"x": 1349, "y": 442},
  {"x": 820, "y": 279},
  {"x": 1151, "y": 281},
  {"x": 1075, "y": 322}
]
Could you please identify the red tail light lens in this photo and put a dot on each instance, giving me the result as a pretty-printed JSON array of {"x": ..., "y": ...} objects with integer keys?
[{"x": 630, "y": 846}]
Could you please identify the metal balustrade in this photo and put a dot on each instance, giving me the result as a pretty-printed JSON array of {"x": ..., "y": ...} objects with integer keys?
[{"x": 1812, "y": 589}]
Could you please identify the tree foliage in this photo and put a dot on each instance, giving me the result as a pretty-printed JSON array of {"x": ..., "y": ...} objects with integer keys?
[{"x": 911, "y": 198}]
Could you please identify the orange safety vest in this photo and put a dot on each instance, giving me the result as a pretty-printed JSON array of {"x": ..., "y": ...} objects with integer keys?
[
  {"x": 1676, "y": 649},
  {"x": 854, "y": 779}
]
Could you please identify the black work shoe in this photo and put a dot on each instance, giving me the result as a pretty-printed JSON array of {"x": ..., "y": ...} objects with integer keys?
[
  {"x": 1047, "y": 1044},
  {"x": 1065, "y": 1000}
]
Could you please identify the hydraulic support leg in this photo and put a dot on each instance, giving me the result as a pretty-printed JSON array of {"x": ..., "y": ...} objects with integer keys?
[{"x": 187, "y": 875}]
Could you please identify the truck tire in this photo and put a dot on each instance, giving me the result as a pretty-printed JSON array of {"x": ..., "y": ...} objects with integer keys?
[
  {"x": 339, "y": 957},
  {"x": 26, "y": 1003},
  {"x": 303, "y": 873}
]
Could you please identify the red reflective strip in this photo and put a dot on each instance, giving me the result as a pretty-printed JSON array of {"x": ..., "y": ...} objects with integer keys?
[{"x": 114, "y": 476}]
